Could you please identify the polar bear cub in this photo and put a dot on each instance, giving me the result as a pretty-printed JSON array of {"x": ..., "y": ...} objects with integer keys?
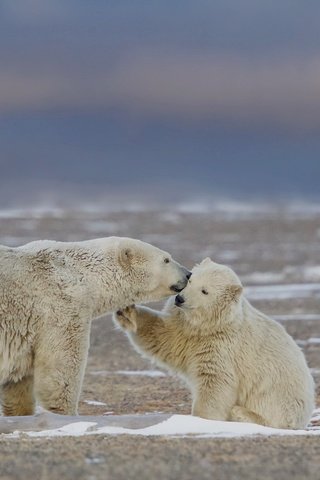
[
  {"x": 49, "y": 293},
  {"x": 240, "y": 365}
]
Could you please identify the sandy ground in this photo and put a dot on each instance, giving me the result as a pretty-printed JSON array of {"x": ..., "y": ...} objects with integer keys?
[{"x": 270, "y": 248}]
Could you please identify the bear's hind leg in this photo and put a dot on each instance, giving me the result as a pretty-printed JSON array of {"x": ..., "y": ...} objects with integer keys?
[
  {"x": 17, "y": 397},
  {"x": 241, "y": 414}
]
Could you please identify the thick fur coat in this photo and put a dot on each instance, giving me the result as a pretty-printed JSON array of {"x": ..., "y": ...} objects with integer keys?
[
  {"x": 49, "y": 293},
  {"x": 239, "y": 364}
]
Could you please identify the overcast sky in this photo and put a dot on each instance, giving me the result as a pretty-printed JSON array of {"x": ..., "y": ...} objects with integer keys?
[{"x": 221, "y": 95}]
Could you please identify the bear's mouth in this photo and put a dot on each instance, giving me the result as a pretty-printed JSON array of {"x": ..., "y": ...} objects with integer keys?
[
  {"x": 176, "y": 288},
  {"x": 179, "y": 301}
]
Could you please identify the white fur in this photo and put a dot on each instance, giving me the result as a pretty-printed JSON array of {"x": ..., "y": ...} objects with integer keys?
[
  {"x": 49, "y": 293},
  {"x": 239, "y": 364}
]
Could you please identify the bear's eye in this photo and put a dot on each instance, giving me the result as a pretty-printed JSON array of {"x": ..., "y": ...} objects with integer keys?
[
  {"x": 166, "y": 260},
  {"x": 204, "y": 291}
]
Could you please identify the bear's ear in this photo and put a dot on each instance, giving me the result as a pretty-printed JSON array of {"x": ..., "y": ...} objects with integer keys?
[
  {"x": 234, "y": 292},
  {"x": 125, "y": 256},
  {"x": 206, "y": 261}
]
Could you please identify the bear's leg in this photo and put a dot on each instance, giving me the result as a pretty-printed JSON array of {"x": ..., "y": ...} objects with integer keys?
[
  {"x": 214, "y": 400},
  {"x": 207, "y": 409},
  {"x": 59, "y": 371},
  {"x": 57, "y": 388},
  {"x": 17, "y": 397},
  {"x": 241, "y": 414}
]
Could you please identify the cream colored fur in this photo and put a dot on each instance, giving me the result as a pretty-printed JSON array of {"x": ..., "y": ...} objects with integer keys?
[
  {"x": 49, "y": 293},
  {"x": 239, "y": 364}
]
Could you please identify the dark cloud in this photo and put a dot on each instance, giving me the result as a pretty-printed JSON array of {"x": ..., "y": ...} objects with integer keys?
[
  {"x": 283, "y": 93},
  {"x": 224, "y": 92}
]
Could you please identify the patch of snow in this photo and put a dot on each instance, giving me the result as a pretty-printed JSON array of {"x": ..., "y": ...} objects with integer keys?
[
  {"x": 94, "y": 460},
  {"x": 282, "y": 292},
  {"x": 177, "y": 425},
  {"x": 316, "y": 414},
  {"x": 14, "y": 213},
  {"x": 307, "y": 273},
  {"x": 311, "y": 273},
  {"x": 94, "y": 402},
  {"x": 302, "y": 208},
  {"x": 33, "y": 212},
  {"x": 75, "y": 429},
  {"x": 143, "y": 373},
  {"x": 227, "y": 209},
  {"x": 297, "y": 317},
  {"x": 309, "y": 341},
  {"x": 263, "y": 277}
]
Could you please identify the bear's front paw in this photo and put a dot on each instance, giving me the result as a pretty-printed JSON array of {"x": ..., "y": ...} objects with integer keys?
[{"x": 126, "y": 318}]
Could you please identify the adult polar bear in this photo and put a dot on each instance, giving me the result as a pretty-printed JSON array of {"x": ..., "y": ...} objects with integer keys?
[{"x": 49, "y": 293}]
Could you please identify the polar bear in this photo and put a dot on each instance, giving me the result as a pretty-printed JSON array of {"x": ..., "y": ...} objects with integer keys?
[
  {"x": 49, "y": 293},
  {"x": 239, "y": 364}
]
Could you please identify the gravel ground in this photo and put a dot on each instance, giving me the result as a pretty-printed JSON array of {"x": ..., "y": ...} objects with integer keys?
[{"x": 278, "y": 248}]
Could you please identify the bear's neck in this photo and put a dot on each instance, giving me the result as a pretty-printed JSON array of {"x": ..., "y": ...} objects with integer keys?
[
  {"x": 110, "y": 296},
  {"x": 104, "y": 289},
  {"x": 206, "y": 323}
]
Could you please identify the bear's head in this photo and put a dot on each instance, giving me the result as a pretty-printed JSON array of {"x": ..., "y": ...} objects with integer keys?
[
  {"x": 150, "y": 273},
  {"x": 212, "y": 295}
]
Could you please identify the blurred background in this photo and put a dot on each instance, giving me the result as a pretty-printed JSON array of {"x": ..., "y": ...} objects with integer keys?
[
  {"x": 168, "y": 100},
  {"x": 192, "y": 125}
]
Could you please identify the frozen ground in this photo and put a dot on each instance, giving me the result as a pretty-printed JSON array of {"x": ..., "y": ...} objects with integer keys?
[
  {"x": 276, "y": 251},
  {"x": 48, "y": 425}
]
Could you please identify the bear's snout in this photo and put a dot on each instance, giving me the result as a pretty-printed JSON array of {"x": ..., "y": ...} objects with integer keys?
[
  {"x": 179, "y": 300},
  {"x": 179, "y": 286}
]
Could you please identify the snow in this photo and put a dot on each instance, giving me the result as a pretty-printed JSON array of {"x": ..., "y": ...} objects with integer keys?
[
  {"x": 176, "y": 425},
  {"x": 263, "y": 277},
  {"x": 143, "y": 373},
  {"x": 94, "y": 461},
  {"x": 281, "y": 292},
  {"x": 229, "y": 208},
  {"x": 32, "y": 212},
  {"x": 316, "y": 415},
  {"x": 309, "y": 341},
  {"x": 297, "y": 317},
  {"x": 312, "y": 273},
  {"x": 95, "y": 402},
  {"x": 305, "y": 273},
  {"x": 75, "y": 429}
]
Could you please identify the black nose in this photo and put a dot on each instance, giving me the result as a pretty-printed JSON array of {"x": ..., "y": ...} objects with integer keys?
[
  {"x": 179, "y": 300},
  {"x": 188, "y": 275}
]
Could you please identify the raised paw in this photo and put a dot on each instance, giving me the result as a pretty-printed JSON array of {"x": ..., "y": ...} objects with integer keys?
[{"x": 126, "y": 318}]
